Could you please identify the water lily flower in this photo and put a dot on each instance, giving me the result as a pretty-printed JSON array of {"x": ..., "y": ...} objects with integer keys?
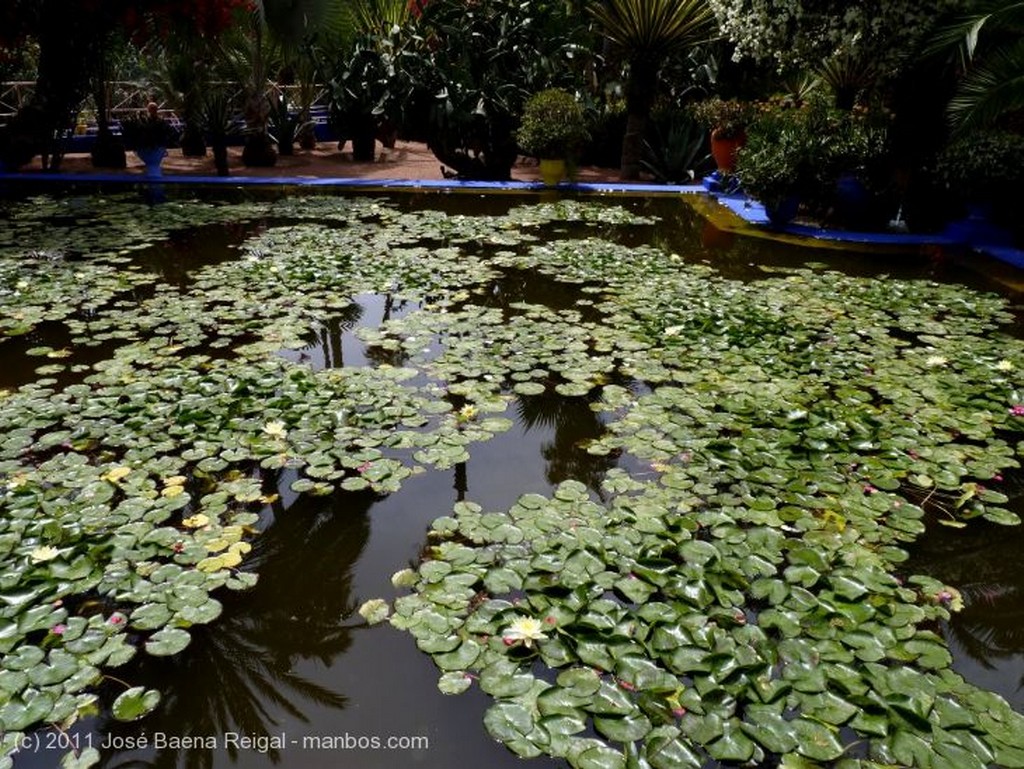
[
  {"x": 466, "y": 413},
  {"x": 18, "y": 480},
  {"x": 524, "y": 629},
  {"x": 43, "y": 554},
  {"x": 1018, "y": 410},
  {"x": 58, "y": 629},
  {"x": 951, "y": 598},
  {"x": 935, "y": 360},
  {"x": 116, "y": 474},
  {"x": 1004, "y": 365},
  {"x": 275, "y": 429}
]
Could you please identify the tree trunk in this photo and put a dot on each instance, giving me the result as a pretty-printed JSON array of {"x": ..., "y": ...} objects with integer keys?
[
  {"x": 639, "y": 100},
  {"x": 632, "y": 146}
]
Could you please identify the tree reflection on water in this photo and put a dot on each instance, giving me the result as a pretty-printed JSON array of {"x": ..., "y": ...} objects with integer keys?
[
  {"x": 983, "y": 562},
  {"x": 238, "y": 675}
]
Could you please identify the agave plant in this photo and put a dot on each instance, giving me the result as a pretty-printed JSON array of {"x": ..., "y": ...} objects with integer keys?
[{"x": 645, "y": 33}]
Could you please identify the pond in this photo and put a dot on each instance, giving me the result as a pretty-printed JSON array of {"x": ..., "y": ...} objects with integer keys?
[{"x": 415, "y": 481}]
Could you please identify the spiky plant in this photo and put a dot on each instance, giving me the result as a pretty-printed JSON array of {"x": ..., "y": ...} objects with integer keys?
[{"x": 645, "y": 33}]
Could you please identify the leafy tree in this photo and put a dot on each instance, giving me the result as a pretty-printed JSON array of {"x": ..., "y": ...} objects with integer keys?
[{"x": 646, "y": 34}]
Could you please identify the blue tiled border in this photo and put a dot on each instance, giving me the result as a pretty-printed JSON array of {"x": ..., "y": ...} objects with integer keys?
[{"x": 342, "y": 183}]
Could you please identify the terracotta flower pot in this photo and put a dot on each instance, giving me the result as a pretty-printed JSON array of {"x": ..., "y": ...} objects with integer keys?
[{"x": 723, "y": 150}]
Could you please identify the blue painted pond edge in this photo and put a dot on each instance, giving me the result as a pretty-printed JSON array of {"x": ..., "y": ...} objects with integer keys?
[
  {"x": 753, "y": 212},
  {"x": 744, "y": 207},
  {"x": 344, "y": 183}
]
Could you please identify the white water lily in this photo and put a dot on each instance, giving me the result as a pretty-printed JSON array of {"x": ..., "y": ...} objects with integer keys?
[
  {"x": 935, "y": 360},
  {"x": 43, "y": 554},
  {"x": 1004, "y": 365},
  {"x": 525, "y": 629},
  {"x": 275, "y": 429}
]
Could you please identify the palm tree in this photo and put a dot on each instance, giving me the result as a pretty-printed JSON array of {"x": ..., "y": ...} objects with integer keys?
[
  {"x": 280, "y": 32},
  {"x": 645, "y": 33},
  {"x": 989, "y": 50}
]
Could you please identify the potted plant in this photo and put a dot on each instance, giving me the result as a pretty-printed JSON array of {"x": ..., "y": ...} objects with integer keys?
[
  {"x": 365, "y": 92},
  {"x": 771, "y": 164},
  {"x": 552, "y": 129},
  {"x": 148, "y": 135},
  {"x": 286, "y": 126},
  {"x": 219, "y": 122},
  {"x": 727, "y": 120},
  {"x": 812, "y": 153}
]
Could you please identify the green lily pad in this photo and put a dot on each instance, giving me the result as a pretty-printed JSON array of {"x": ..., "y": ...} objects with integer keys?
[
  {"x": 167, "y": 642},
  {"x": 135, "y": 703}
]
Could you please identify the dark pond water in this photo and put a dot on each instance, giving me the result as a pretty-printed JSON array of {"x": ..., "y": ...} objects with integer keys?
[{"x": 292, "y": 661}]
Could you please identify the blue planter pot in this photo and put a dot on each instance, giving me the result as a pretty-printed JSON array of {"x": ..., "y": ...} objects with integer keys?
[
  {"x": 782, "y": 212},
  {"x": 152, "y": 157},
  {"x": 978, "y": 229},
  {"x": 852, "y": 201}
]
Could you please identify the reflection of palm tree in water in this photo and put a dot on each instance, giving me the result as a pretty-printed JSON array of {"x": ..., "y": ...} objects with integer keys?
[
  {"x": 983, "y": 563},
  {"x": 238, "y": 674},
  {"x": 328, "y": 337},
  {"x": 574, "y": 424}
]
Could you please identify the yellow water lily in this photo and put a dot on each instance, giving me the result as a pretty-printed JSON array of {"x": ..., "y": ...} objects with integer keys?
[
  {"x": 116, "y": 474},
  {"x": 196, "y": 521}
]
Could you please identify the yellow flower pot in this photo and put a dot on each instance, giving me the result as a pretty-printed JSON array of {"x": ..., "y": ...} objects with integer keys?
[{"x": 552, "y": 171}]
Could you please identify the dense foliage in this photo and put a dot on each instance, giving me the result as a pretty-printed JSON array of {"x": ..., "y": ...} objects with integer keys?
[
  {"x": 801, "y": 33},
  {"x": 475, "y": 69}
]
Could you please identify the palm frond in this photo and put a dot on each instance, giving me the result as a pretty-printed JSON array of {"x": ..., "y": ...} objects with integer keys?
[
  {"x": 296, "y": 24},
  {"x": 960, "y": 37},
  {"x": 653, "y": 28},
  {"x": 991, "y": 89},
  {"x": 373, "y": 15}
]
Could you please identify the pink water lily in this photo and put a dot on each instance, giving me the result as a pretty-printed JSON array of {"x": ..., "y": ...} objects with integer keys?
[{"x": 1017, "y": 410}]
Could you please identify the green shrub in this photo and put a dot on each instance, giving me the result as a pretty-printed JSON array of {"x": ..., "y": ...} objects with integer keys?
[
  {"x": 727, "y": 118},
  {"x": 553, "y": 125},
  {"x": 803, "y": 150},
  {"x": 982, "y": 166}
]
